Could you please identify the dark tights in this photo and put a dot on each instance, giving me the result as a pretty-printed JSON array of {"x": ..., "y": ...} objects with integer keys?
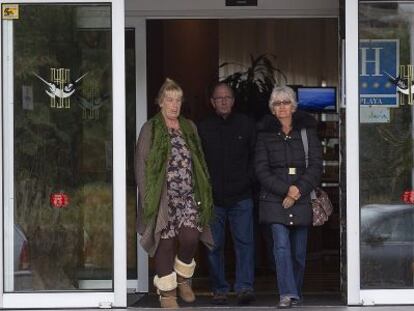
[{"x": 187, "y": 245}]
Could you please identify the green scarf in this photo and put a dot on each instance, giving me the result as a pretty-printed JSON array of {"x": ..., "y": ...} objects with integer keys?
[{"x": 156, "y": 168}]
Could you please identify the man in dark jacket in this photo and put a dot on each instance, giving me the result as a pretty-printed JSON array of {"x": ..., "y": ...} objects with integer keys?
[{"x": 228, "y": 140}]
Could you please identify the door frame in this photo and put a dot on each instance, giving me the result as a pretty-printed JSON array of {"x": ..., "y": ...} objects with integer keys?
[
  {"x": 85, "y": 299},
  {"x": 352, "y": 152},
  {"x": 356, "y": 295},
  {"x": 136, "y": 18},
  {"x": 139, "y": 27}
]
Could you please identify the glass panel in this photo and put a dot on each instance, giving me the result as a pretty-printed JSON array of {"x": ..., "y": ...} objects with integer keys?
[
  {"x": 386, "y": 145},
  {"x": 130, "y": 140},
  {"x": 63, "y": 201}
]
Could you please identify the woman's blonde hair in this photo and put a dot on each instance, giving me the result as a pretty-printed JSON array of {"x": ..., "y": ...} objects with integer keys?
[{"x": 169, "y": 85}]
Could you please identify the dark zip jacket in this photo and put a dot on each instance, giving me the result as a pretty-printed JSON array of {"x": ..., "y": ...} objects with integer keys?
[
  {"x": 280, "y": 163},
  {"x": 228, "y": 146}
]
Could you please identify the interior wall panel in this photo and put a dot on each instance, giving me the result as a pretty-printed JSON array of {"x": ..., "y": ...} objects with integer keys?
[{"x": 306, "y": 50}]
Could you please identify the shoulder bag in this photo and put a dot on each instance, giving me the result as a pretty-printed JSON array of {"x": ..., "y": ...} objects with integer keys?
[{"x": 321, "y": 205}]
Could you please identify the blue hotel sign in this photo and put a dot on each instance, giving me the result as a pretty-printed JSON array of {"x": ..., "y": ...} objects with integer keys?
[{"x": 378, "y": 61}]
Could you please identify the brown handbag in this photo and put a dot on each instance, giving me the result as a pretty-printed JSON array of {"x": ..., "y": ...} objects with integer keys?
[{"x": 321, "y": 205}]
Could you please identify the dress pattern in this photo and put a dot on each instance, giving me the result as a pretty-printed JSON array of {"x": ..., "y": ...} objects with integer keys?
[{"x": 183, "y": 210}]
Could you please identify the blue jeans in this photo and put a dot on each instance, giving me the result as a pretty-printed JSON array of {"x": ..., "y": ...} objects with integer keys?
[
  {"x": 240, "y": 217},
  {"x": 289, "y": 249}
]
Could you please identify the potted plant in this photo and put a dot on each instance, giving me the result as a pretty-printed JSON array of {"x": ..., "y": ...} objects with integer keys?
[{"x": 253, "y": 85}]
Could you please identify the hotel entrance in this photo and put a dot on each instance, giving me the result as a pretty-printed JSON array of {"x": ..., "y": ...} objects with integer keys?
[
  {"x": 77, "y": 83},
  {"x": 191, "y": 51}
]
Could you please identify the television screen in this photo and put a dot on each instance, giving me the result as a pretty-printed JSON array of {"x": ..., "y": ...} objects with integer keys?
[{"x": 317, "y": 99}]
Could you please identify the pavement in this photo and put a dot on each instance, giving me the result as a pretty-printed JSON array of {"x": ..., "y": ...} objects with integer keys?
[{"x": 264, "y": 301}]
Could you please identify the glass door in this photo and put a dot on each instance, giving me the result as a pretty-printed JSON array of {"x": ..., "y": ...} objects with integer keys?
[
  {"x": 386, "y": 176},
  {"x": 380, "y": 152},
  {"x": 63, "y": 219}
]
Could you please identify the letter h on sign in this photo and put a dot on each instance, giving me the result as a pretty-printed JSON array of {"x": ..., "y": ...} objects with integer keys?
[{"x": 378, "y": 61}]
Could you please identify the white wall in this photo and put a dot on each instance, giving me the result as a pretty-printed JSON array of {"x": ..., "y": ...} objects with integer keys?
[{"x": 217, "y": 8}]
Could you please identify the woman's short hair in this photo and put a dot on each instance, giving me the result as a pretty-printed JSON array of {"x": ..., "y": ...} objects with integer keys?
[
  {"x": 169, "y": 85},
  {"x": 282, "y": 93}
]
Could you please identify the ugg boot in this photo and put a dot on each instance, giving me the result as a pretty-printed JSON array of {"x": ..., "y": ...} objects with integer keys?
[
  {"x": 167, "y": 290},
  {"x": 184, "y": 274}
]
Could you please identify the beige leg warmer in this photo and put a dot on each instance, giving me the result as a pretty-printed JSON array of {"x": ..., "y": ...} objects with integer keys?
[
  {"x": 183, "y": 269},
  {"x": 166, "y": 283},
  {"x": 184, "y": 273},
  {"x": 166, "y": 288}
]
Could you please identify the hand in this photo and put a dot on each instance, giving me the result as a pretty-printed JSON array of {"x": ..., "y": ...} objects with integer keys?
[
  {"x": 288, "y": 202},
  {"x": 294, "y": 192}
]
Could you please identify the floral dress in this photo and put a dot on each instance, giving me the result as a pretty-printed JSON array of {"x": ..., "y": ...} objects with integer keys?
[{"x": 183, "y": 211}]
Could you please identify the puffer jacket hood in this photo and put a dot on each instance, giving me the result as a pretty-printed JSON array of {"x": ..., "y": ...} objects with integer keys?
[{"x": 300, "y": 119}]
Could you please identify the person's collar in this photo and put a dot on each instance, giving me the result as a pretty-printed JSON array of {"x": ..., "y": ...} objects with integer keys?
[{"x": 221, "y": 117}]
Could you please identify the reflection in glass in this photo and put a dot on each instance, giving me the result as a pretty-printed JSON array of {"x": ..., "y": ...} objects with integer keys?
[
  {"x": 63, "y": 203},
  {"x": 386, "y": 156},
  {"x": 130, "y": 149}
]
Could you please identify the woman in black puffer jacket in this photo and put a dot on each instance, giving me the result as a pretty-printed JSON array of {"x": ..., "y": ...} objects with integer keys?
[{"x": 286, "y": 184}]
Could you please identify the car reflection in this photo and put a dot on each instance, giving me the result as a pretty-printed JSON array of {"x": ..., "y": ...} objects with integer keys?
[
  {"x": 387, "y": 246},
  {"x": 22, "y": 272}
]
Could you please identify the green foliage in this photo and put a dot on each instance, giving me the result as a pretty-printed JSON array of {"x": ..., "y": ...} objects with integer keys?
[{"x": 252, "y": 86}]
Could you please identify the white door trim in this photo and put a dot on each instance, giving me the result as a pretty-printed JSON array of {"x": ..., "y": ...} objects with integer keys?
[
  {"x": 139, "y": 26},
  {"x": 8, "y": 219},
  {"x": 119, "y": 152},
  {"x": 136, "y": 18},
  {"x": 356, "y": 295},
  {"x": 218, "y": 9},
  {"x": 90, "y": 299},
  {"x": 352, "y": 152}
]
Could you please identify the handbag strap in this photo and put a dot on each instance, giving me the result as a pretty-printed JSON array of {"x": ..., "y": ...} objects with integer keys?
[
  {"x": 306, "y": 148},
  {"x": 305, "y": 145}
]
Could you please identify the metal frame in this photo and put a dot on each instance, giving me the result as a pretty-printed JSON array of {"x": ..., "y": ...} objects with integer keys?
[
  {"x": 138, "y": 20},
  {"x": 84, "y": 299},
  {"x": 352, "y": 152},
  {"x": 8, "y": 229},
  {"x": 356, "y": 295},
  {"x": 139, "y": 26},
  {"x": 388, "y": 296}
]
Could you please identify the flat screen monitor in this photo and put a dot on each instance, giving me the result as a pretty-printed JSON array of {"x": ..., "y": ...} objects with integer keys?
[{"x": 317, "y": 99}]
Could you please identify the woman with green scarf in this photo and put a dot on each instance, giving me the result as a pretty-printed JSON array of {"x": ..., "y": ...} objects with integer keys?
[{"x": 175, "y": 198}]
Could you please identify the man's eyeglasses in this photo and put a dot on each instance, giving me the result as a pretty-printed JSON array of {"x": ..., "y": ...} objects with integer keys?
[
  {"x": 278, "y": 103},
  {"x": 221, "y": 99}
]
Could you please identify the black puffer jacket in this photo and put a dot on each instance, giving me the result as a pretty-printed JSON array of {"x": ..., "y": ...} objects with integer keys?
[{"x": 275, "y": 154}]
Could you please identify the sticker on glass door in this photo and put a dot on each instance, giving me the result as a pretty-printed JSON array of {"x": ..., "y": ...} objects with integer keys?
[{"x": 60, "y": 88}]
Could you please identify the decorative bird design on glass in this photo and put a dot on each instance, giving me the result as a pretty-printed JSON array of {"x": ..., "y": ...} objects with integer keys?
[
  {"x": 401, "y": 84},
  {"x": 68, "y": 89}
]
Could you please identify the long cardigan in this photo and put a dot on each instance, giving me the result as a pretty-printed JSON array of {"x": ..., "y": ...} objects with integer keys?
[
  {"x": 280, "y": 163},
  {"x": 151, "y": 232}
]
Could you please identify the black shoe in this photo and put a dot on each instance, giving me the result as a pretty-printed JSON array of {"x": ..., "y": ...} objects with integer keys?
[
  {"x": 285, "y": 303},
  {"x": 296, "y": 302},
  {"x": 245, "y": 297},
  {"x": 219, "y": 299}
]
